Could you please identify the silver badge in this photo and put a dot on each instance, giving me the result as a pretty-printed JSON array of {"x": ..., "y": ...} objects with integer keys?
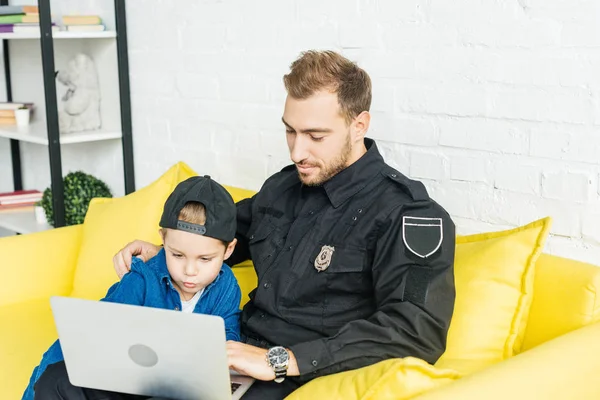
[
  {"x": 422, "y": 236},
  {"x": 324, "y": 258}
]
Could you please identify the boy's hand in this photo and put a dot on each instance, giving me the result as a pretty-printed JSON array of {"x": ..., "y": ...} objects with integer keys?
[
  {"x": 252, "y": 361},
  {"x": 138, "y": 248}
]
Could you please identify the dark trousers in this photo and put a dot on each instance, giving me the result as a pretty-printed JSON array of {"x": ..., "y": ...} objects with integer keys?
[{"x": 54, "y": 385}]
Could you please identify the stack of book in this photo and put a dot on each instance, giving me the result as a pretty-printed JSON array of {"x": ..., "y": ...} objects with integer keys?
[
  {"x": 20, "y": 19},
  {"x": 7, "y": 112},
  {"x": 18, "y": 201},
  {"x": 83, "y": 23}
]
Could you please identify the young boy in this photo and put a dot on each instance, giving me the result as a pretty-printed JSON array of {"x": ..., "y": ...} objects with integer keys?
[{"x": 198, "y": 227}]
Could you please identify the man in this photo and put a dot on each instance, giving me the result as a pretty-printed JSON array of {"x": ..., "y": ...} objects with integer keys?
[{"x": 354, "y": 260}]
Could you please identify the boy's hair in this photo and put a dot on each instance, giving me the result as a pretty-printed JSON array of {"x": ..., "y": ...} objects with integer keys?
[
  {"x": 193, "y": 212},
  {"x": 327, "y": 70}
]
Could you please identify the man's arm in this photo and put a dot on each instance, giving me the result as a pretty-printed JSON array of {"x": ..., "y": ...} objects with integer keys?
[
  {"x": 244, "y": 219},
  {"x": 414, "y": 297}
]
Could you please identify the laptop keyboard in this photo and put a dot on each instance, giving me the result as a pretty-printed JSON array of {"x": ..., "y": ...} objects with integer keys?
[{"x": 235, "y": 386}]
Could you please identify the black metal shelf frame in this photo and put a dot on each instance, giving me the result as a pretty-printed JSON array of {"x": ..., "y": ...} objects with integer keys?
[{"x": 47, "y": 49}]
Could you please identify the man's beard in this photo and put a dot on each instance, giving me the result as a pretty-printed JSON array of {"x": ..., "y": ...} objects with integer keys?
[{"x": 337, "y": 165}]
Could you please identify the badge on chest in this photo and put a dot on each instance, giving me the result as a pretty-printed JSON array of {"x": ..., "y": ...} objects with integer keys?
[{"x": 324, "y": 258}]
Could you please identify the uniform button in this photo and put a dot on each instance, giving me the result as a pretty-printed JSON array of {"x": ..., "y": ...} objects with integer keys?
[
  {"x": 314, "y": 363},
  {"x": 176, "y": 308},
  {"x": 290, "y": 248},
  {"x": 393, "y": 175},
  {"x": 359, "y": 210},
  {"x": 251, "y": 237},
  {"x": 266, "y": 285},
  {"x": 311, "y": 212},
  {"x": 262, "y": 315},
  {"x": 354, "y": 218}
]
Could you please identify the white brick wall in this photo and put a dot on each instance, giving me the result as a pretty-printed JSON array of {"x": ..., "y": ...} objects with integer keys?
[{"x": 495, "y": 105}]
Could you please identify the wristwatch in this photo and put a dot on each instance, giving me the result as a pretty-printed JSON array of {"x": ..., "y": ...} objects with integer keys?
[{"x": 278, "y": 359}]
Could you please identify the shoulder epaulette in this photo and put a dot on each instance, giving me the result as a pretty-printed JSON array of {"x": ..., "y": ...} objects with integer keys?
[{"x": 415, "y": 189}]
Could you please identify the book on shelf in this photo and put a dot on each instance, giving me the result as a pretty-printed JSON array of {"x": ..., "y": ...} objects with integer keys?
[
  {"x": 81, "y": 20},
  {"x": 21, "y": 195},
  {"x": 85, "y": 28},
  {"x": 8, "y": 120},
  {"x": 10, "y": 10},
  {"x": 24, "y": 28},
  {"x": 20, "y": 18},
  {"x": 17, "y": 208}
]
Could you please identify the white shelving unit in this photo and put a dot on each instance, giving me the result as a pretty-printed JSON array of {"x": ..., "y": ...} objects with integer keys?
[
  {"x": 22, "y": 222},
  {"x": 61, "y": 35},
  {"x": 36, "y": 133},
  {"x": 109, "y": 51}
]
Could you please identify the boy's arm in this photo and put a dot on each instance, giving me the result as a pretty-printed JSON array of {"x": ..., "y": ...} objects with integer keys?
[
  {"x": 229, "y": 307},
  {"x": 131, "y": 289}
]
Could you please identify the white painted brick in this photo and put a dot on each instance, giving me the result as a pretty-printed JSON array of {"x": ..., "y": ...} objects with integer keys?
[
  {"x": 250, "y": 89},
  {"x": 395, "y": 155},
  {"x": 427, "y": 166},
  {"x": 470, "y": 169},
  {"x": 489, "y": 135},
  {"x": 569, "y": 186},
  {"x": 556, "y": 105},
  {"x": 517, "y": 177},
  {"x": 461, "y": 199},
  {"x": 442, "y": 99},
  {"x": 570, "y": 143},
  {"x": 574, "y": 249},
  {"x": 419, "y": 35},
  {"x": 382, "y": 96},
  {"x": 274, "y": 165},
  {"x": 408, "y": 130},
  {"x": 202, "y": 38},
  {"x": 392, "y": 11},
  {"x": 194, "y": 86},
  {"x": 590, "y": 224},
  {"x": 359, "y": 35},
  {"x": 577, "y": 34},
  {"x": 244, "y": 171},
  {"x": 273, "y": 143},
  {"x": 524, "y": 33},
  {"x": 466, "y": 226}
]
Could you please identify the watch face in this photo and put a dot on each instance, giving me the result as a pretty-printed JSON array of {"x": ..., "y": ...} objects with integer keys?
[{"x": 278, "y": 356}]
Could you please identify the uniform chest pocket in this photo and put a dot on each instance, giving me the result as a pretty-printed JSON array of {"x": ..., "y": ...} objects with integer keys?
[
  {"x": 337, "y": 259},
  {"x": 265, "y": 242}
]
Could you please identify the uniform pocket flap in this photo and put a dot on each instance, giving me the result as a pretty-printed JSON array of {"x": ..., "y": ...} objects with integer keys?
[{"x": 336, "y": 259}]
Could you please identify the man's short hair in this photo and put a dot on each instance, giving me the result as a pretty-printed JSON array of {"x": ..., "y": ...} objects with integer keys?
[{"x": 315, "y": 70}]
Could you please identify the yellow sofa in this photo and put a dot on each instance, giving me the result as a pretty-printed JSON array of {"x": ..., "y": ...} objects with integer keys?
[{"x": 559, "y": 353}]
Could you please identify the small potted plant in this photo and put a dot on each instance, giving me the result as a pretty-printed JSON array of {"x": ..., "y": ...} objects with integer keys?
[
  {"x": 22, "y": 116},
  {"x": 79, "y": 189}
]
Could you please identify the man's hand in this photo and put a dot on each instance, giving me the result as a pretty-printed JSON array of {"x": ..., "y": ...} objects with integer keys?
[
  {"x": 252, "y": 361},
  {"x": 138, "y": 248}
]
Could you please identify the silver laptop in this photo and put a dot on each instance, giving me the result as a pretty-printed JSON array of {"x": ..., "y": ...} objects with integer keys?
[{"x": 145, "y": 351}]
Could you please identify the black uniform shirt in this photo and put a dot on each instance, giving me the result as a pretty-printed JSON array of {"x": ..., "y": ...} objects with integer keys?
[{"x": 350, "y": 273}]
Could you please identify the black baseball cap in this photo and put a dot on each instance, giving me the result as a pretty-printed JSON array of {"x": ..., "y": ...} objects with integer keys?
[{"x": 221, "y": 219}]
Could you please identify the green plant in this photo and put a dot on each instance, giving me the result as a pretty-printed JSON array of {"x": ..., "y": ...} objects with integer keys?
[{"x": 79, "y": 188}]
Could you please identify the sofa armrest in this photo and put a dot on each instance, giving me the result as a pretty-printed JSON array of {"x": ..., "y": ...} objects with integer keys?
[
  {"x": 563, "y": 368},
  {"x": 38, "y": 265}
]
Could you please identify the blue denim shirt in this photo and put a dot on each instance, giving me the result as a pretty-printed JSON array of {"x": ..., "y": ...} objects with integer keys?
[{"x": 149, "y": 284}]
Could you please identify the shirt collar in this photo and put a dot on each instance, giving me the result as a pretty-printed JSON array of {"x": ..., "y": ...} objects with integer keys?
[{"x": 355, "y": 177}]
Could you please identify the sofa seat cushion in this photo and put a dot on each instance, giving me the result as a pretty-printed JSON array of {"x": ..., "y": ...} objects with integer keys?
[
  {"x": 394, "y": 379},
  {"x": 27, "y": 332}
]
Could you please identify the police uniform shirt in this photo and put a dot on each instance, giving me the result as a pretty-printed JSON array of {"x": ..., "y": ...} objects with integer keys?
[{"x": 350, "y": 273}]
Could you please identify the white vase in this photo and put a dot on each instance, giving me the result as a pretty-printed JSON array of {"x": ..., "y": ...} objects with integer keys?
[
  {"x": 40, "y": 215},
  {"x": 22, "y": 117}
]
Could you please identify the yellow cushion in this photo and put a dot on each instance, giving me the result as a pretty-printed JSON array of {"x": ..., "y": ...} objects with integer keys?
[
  {"x": 494, "y": 275},
  {"x": 395, "y": 379},
  {"x": 566, "y": 297},
  {"x": 28, "y": 331},
  {"x": 112, "y": 223}
]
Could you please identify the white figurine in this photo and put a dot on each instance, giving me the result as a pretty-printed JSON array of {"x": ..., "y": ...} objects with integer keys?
[{"x": 79, "y": 109}]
